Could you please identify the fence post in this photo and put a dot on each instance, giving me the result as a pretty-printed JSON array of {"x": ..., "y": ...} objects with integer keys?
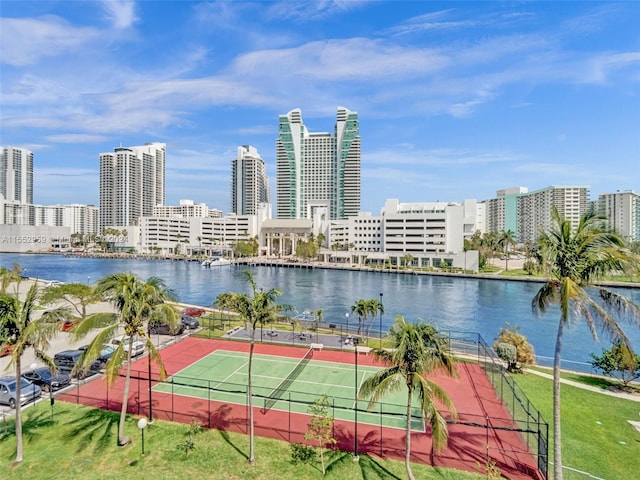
[{"x": 289, "y": 417}]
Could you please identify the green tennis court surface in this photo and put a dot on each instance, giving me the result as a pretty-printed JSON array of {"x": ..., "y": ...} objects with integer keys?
[{"x": 222, "y": 376}]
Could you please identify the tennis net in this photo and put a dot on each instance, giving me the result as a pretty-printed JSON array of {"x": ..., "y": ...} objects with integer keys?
[{"x": 275, "y": 394}]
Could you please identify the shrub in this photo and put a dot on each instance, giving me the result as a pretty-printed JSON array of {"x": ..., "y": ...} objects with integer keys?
[
  {"x": 525, "y": 355},
  {"x": 618, "y": 362},
  {"x": 508, "y": 354}
]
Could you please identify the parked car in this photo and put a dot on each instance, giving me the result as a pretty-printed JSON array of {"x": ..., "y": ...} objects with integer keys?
[
  {"x": 28, "y": 391},
  {"x": 193, "y": 311},
  {"x": 157, "y": 327},
  {"x": 105, "y": 353},
  {"x": 67, "y": 325},
  {"x": 66, "y": 361},
  {"x": 189, "y": 322},
  {"x": 46, "y": 380},
  {"x": 138, "y": 346},
  {"x": 5, "y": 349}
]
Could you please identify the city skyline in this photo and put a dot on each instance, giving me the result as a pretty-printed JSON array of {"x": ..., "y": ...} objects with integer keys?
[{"x": 455, "y": 99}]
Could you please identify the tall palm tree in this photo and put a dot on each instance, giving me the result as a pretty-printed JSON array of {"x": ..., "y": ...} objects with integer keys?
[
  {"x": 256, "y": 309},
  {"x": 136, "y": 303},
  {"x": 418, "y": 350},
  {"x": 361, "y": 308},
  {"x": 19, "y": 329},
  {"x": 573, "y": 259},
  {"x": 507, "y": 240}
]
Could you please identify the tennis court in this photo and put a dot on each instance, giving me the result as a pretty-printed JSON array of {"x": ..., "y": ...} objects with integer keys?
[
  {"x": 222, "y": 376},
  {"x": 208, "y": 379}
]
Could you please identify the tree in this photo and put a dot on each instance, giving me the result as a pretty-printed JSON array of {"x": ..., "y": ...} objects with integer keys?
[
  {"x": 507, "y": 353},
  {"x": 362, "y": 309},
  {"x": 78, "y": 296},
  {"x": 320, "y": 428},
  {"x": 256, "y": 309},
  {"x": 618, "y": 362},
  {"x": 573, "y": 260},
  {"x": 507, "y": 240},
  {"x": 136, "y": 302},
  {"x": 19, "y": 329},
  {"x": 418, "y": 350},
  {"x": 525, "y": 354},
  {"x": 9, "y": 276}
]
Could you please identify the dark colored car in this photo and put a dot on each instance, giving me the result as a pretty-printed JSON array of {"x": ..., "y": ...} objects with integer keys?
[
  {"x": 189, "y": 322},
  {"x": 46, "y": 380},
  {"x": 67, "y": 360},
  {"x": 164, "y": 328},
  {"x": 193, "y": 311},
  {"x": 105, "y": 353}
]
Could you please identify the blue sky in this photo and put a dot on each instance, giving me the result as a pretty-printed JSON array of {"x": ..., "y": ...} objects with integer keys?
[{"x": 456, "y": 99}]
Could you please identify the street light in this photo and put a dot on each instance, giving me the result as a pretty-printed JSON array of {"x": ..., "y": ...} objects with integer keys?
[
  {"x": 142, "y": 424},
  {"x": 347, "y": 317},
  {"x": 355, "y": 403},
  {"x": 380, "y": 311}
]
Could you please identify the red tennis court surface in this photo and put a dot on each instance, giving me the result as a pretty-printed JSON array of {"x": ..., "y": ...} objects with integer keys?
[{"x": 484, "y": 427}]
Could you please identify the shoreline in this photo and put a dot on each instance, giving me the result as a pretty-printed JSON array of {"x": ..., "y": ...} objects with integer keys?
[{"x": 285, "y": 263}]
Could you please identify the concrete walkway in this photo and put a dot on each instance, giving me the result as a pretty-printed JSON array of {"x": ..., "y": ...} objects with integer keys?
[{"x": 625, "y": 396}]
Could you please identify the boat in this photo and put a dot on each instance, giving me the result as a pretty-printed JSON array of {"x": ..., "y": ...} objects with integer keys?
[{"x": 216, "y": 261}]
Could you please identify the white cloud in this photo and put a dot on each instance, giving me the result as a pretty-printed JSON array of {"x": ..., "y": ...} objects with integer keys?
[
  {"x": 75, "y": 138},
  {"x": 121, "y": 13},
  {"x": 26, "y": 40}
]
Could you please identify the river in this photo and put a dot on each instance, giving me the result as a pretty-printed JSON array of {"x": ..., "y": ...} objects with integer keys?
[{"x": 450, "y": 303}]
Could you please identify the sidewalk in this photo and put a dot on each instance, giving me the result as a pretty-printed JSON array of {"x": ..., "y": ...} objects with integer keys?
[{"x": 625, "y": 396}]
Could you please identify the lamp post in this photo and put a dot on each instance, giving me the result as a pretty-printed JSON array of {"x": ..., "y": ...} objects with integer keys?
[
  {"x": 380, "y": 308},
  {"x": 355, "y": 402},
  {"x": 142, "y": 424},
  {"x": 347, "y": 317}
]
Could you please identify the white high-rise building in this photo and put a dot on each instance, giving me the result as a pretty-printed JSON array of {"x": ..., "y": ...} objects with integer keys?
[
  {"x": 249, "y": 181},
  {"x": 318, "y": 171},
  {"x": 622, "y": 212},
  {"x": 16, "y": 186},
  {"x": 132, "y": 182}
]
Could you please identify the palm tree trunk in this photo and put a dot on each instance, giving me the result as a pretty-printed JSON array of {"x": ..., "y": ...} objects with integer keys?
[
  {"x": 407, "y": 446},
  {"x": 252, "y": 458},
  {"x": 122, "y": 438},
  {"x": 19, "y": 447},
  {"x": 557, "y": 441}
]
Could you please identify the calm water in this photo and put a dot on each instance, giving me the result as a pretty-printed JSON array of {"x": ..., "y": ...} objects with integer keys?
[{"x": 458, "y": 304}]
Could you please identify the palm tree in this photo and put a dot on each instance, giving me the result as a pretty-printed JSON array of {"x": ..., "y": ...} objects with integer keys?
[
  {"x": 507, "y": 239},
  {"x": 256, "y": 309},
  {"x": 418, "y": 350},
  {"x": 21, "y": 331},
  {"x": 361, "y": 309},
  {"x": 573, "y": 260},
  {"x": 9, "y": 276},
  {"x": 136, "y": 302}
]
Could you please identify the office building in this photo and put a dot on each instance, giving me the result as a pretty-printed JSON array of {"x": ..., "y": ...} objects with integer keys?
[
  {"x": 318, "y": 171},
  {"x": 249, "y": 181},
  {"x": 132, "y": 182}
]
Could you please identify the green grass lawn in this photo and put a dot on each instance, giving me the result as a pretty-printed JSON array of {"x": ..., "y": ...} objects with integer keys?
[
  {"x": 596, "y": 435},
  {"x": 80, "y": 442}
]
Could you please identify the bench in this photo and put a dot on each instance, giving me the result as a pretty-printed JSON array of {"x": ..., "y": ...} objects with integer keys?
[
  {"x": 316, "y": 346},
  {"x": 364, "y": 350}
]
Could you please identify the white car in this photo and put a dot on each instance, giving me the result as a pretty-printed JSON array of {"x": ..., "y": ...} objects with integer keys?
[{"x": 138, "y": 346}]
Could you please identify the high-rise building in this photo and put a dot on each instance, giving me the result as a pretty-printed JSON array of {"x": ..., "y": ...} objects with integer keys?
[
  {"x": 527, "y": 214},
  {"x": 132, "y": 182},
  {"x": 16, "y": 174},
  {"x": 249, "y": 181},
  {"x": 622, "y": 212},
  {"x": 318, "y": 171},
  {"x": 16, "y": 186}
]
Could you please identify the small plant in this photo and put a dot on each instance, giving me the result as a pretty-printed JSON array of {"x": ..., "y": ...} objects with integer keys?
[
  {"x": 301, "y": 453},
  {"x": 490, "y": 469},
  {"x": 525, "y": 354},
  {"x": 189, "y": 444},
  {"x": 320, "y": 431},
  {"x": 618, "y": 362}
]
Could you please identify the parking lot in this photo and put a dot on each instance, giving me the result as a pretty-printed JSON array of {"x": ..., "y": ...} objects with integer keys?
[{"x": 64, "y": 341}]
